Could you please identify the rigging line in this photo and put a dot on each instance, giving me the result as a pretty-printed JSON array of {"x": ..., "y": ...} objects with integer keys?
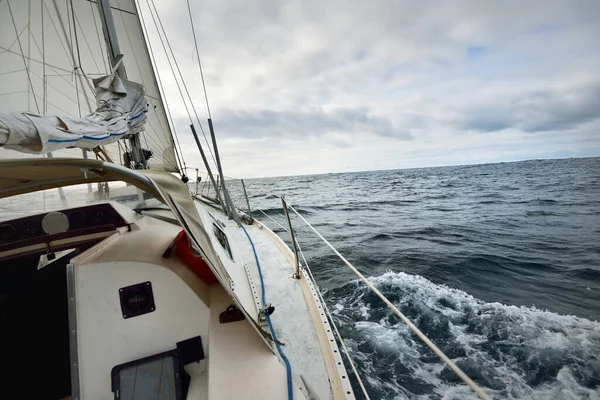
[
  {"x": 156, "y": 141},
  {"x": 23, "y": 55},
  {"x": 44, "y": 77},
  {"x": 58, "y": 35},
  {"x": 162, "y": 127},
  {"x": 36, "y": 60},
  {"x": 172, "y": 70},
  {"x": 161, "y": 90},
  {"x": 70, "y": 42},
  {"x": 335, "y": 328},
  {"x": 79, "y": 58},
  {"x": 98, "y": 37},
  {"x": 113, "y": 7},
  {"x": 119, "y": 147},
  {"x": 174, "y": 76},
  {"x": 135, "y": 57},
  {"x": 17, "y": 92},
  {"x": 28, "y": 46},
  {"x": 70, "y": 46},
  {"x": 55, "y": 88},
  {"x": 70, "y": 73},
  {"x": 155, "y": 144},
  {"x": 182, "y": 80},
  {"x": 86, "y": 42},
  {"x": 12, "y": 72},
  {"x": 14, "y": 41},
  {"x": 54, "y": 105},
  {"x": 198, "y": 57},
  {"x": 70, "y": 39},
  {"x": 162, "y": 143},
  {"x": 143, "y": 134},
  {"x": 478, "y": 390},
  {"x": 131, "y": 46}
]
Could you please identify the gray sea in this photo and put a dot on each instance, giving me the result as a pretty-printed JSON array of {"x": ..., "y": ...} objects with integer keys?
[{"x": 499, "y": 264}]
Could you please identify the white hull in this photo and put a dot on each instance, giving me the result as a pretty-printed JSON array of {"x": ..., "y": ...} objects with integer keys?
[{"x": 240, "y": 359}]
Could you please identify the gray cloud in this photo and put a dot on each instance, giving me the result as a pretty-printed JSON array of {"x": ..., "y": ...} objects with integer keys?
[
  {"x": 388, "y": 83},
  {"x": 539, "y": 111},
  {"x": 300, "y": 123}
]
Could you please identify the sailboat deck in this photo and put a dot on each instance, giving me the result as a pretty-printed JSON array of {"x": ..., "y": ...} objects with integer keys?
[
  {"x": 296, "y": 323},
  {"x": 240, "y": 365}
]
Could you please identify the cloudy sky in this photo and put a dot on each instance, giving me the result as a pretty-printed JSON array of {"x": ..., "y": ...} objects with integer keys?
[{"x": 303, "y": 86}]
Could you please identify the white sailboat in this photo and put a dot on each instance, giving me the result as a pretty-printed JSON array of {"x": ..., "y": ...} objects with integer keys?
[
  {"x": 161, "y": 293},
  {"x": 116, "y": 282}
]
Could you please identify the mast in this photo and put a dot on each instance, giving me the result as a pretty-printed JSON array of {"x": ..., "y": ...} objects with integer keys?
[{"x": 114, "y": 53}]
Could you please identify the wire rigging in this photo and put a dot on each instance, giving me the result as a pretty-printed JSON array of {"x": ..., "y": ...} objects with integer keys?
[
  {"x": 141, "y": 75},
  {"x": 59, "y": 38},
  {"x": 478, "y": 390},
  {"x": 44, "y": 83},
  {"x": 54, "y": 68},
  {"x": 79, "y": 66},
  {"x": 4, "y": 50},
  {"x": 198, "y": 58},
  {"x": 172, "y": 70},
  {"x": 352, "y": 365},
  {"x": 181, "y": 77},
  {"x": 104, "y": 62},
  {"x": 71, "y": 48},
  {"x": 86, "y": 42},
  {"x": 161, "y": 92},
  {"x": 23, "y": 56}
]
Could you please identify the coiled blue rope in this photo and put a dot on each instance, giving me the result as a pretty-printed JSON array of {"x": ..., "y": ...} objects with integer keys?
[{"x": 288, "y": 366}]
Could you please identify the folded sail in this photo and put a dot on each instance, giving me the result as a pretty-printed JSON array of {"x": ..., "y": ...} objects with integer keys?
[
  {"x": 120, "y": 112},
  {"x": 50, "y": 59}
]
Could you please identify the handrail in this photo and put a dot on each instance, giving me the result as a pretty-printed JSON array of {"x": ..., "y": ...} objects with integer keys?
[
  {"x": 297, "y": 274},
  {"x": 476, "y": 388}
]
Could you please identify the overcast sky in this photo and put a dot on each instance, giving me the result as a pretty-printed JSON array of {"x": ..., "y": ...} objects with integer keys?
[{"x": 302, "y": 86}]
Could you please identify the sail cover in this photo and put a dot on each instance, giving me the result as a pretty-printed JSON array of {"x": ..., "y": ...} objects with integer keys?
[
  {"x": 52, "y": 52},
  {"x": 121, "y": 111}
]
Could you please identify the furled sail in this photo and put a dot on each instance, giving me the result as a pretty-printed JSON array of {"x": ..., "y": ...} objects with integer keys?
[
  {"x": 121, "y": 108},
  {"x": 52, "y": 54}
]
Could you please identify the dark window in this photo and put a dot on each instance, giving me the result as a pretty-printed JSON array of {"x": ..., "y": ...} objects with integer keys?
[{"x": 222, "y": 238}]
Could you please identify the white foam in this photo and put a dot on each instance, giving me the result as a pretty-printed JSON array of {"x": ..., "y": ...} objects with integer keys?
[{"x": 504, "y": 345}]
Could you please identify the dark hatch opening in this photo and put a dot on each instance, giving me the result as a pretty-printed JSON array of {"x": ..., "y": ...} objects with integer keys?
[{"x": 34, "y": 329}]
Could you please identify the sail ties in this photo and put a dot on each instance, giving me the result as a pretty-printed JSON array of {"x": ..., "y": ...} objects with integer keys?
[{"x": 121, "y": 108}]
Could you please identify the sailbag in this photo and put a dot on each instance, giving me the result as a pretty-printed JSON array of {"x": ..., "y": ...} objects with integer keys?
[{"x": 121, "y": 108}]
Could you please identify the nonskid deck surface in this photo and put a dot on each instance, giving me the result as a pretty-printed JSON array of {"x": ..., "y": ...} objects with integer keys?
[{"x": 292, "y": 319}]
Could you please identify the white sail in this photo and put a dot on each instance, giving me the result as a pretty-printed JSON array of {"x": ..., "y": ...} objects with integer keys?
[
  {"x": 50, "y": 52},
  {"x": 121, "y": 111}
]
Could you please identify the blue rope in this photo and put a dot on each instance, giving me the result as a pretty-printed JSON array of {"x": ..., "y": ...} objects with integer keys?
[{"x": 288, "y": 367}]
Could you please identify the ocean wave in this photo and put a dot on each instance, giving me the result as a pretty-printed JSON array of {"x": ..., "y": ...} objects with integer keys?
[
  {"x": 426, "y": 232},
  {"x": 513, "y": 352},
  {"x": 541, "y": 213}
]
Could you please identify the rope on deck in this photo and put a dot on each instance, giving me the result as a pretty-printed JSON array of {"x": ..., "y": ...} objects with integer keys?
[
  {"x": 337, "y": 332},
  {"x": 288, "y": 367}
]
